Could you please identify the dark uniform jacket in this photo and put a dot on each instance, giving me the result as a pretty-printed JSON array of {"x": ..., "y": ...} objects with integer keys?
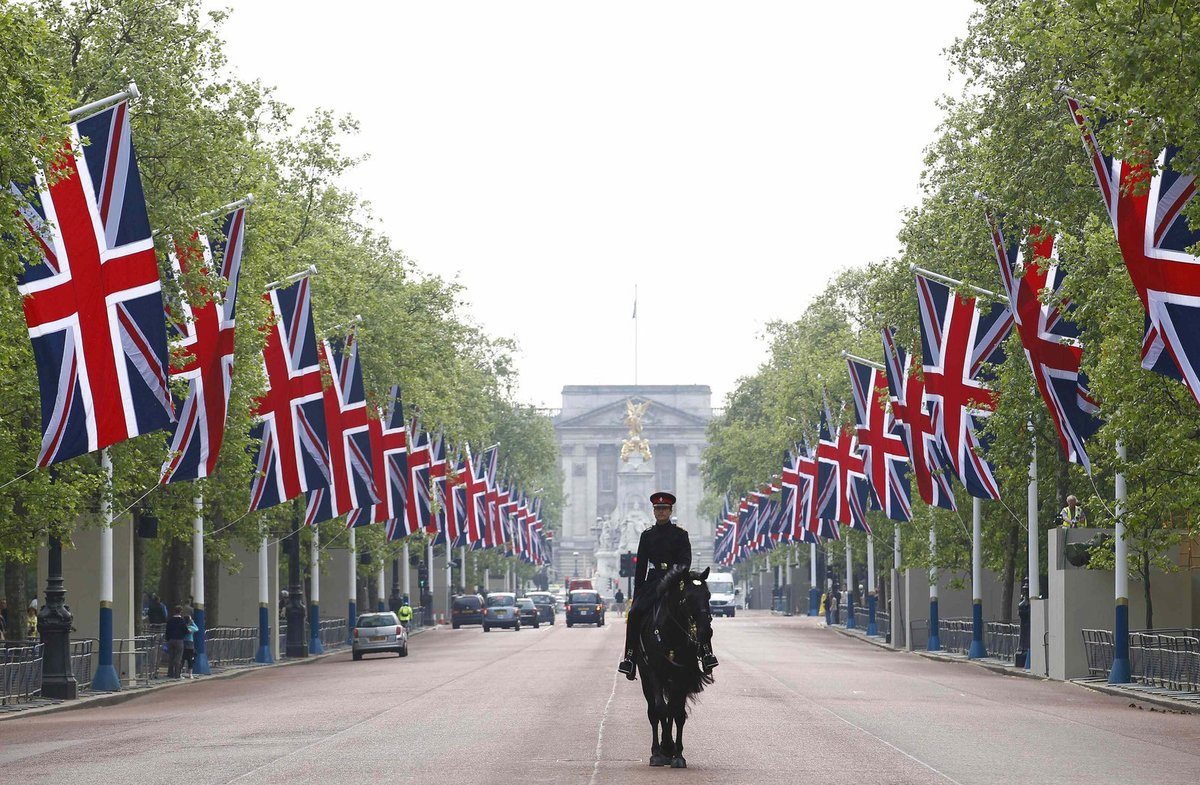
[{"x": 661, "y": 547}]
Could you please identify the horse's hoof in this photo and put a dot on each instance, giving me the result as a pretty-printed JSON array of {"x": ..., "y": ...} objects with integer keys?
[
  {"x": 660, "y": 760},
  {"x": 678, "y": 762}
]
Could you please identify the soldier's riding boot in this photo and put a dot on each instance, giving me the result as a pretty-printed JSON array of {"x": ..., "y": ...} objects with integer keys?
[
  {"x": 708, "y": 660},
  {"x": 627, "y": 667}
]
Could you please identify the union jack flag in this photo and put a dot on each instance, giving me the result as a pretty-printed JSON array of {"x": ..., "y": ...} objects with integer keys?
[
  {"x": 419, "y": 511},
  {"x": 1146, "y": 208},
  {"x": 205, "y": 336},
  {"x": 1051, "y": 341},
  {"x": 293, "y": 452},
  {"x": 389, "y": 469},
  {"x": 352, "y": 481},
  {"x": 957, "y": 339},
  {"x": 842, "y": 485},
  {"x": 884, "y": 455},
  {"x": 795, "y": 500},
  {"x": 476, "y": 489},
  {"x": 452, "y": 516},
  {"x": 93, "y": 301},
  {"x": 906, "y": 394}
]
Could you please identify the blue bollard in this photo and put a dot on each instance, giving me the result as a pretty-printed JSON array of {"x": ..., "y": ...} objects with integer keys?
[
  {"x": 977, "y": 651},
  {"x": 263, "y": 654},
  {"x": 200, "y": 667},
  {"x": 1120, "y": 673},
  {"x": 872, "y": 602},
  {"x": 381, "y": 606},
  {"x": 814, "y": 602},
  {"x": 351, "y": 619},
  {"x": 935, "y": 642},
  {"x": 105, "y": 679},
  {"x": 314, "y": 629}
]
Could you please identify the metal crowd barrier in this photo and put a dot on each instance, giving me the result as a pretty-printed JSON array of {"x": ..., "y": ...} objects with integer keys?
[
  {"x": 1098, "y": 648},
  {"x": 20, "y": 671},
  {"x": 955, "y": 635},
  {"x": 861, "y": 617},
  {"x": 918, "y": 634},
  {"x": 82, "y": 666},
  {"x": 230, "y": 645},
  {"x": 333, "y": 632},
  {"x": 1168, "y": 661},
  {"x": 883, "y": 623},
  {"x": 1001, "y": 639},
  {"x": 140, "y": 659}
]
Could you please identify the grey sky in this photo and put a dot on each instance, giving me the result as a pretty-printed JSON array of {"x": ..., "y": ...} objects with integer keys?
[{"x": 725, "y": 157}]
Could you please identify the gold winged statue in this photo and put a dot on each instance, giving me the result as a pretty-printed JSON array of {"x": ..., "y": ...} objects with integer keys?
[{"x": 635, "y": 443}]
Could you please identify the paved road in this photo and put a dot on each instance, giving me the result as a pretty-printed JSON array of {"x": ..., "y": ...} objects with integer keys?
[{"x": 792, "y": 703}]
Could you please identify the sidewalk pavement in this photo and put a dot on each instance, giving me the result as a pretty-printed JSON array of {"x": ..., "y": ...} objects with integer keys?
[
  {"x": 39, "y": 706},
  {"x": 1183, "y": 702}
]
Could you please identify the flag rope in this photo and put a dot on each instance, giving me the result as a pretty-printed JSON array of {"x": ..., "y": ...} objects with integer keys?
[{"x": 19, "y": 477}]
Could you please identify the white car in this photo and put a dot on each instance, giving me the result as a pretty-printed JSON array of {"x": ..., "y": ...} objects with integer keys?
[{"x": 375, "y": 632}]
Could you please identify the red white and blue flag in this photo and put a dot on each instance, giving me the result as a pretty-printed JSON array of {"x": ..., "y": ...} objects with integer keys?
[
  {"x": 795, "y": 500},
  {"x": 389, "y": 470},
  {"x": 884, "y": 455},
  {"x": 419, "y": 511},
  {"x": 352, "y": 475},
  {"x": 93, "y": 300},
  {"x": 1145, "y": 204},
  {"x": 475, "y": 530},
  {"x": 1050, "y": 339},
  {"x": 293, "y": 451},
  {"x": 907, "y": 402},
  {"x": 204, "y": 333},
  {"x": 958, "y": 338}
]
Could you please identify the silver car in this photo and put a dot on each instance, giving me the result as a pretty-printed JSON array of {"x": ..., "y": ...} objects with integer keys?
[
  {"x": 378, "y": 632},
  {"x": 501, "y": 611}
]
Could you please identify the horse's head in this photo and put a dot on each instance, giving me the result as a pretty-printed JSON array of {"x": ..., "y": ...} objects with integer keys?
[{"x": 686, "y": 594}]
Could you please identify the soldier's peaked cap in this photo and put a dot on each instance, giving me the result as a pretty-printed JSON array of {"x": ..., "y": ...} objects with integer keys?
[{"x": 662, "y": 498}]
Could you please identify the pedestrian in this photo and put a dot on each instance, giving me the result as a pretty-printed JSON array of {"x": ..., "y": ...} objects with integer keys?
[
  {"x": 175, "y": 634},
  {"x": 1072, "y": 516},
  {"x": 157, "y": 612},
  {"x": 619, "y": 602},
  {"x": 188, "y": 610},
  {"x": 283, "y": 601},
  {"x": 31, "y": 620},
  {"x": 836, "y": 603},
  {"x": 189, "y": 646}
]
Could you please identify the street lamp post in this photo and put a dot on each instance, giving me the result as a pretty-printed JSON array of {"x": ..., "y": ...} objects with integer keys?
[
  {"x": 576, "y": 555},
  {"x": 297, "y": 645}
]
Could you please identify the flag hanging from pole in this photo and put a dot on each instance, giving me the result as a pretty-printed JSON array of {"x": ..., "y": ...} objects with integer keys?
[
  {"x": 93, "y": 299},
  {"x": 389, "y": 468},
  {"x": 885, "y": 458},
  {"x": 205, "y": 337}
]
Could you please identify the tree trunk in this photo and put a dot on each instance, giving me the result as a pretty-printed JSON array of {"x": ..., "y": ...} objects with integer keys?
[
  {"x": 14, "y": 594},
  {"x": 175, "y": 579},
  {"x": 1012, "y": 546}
]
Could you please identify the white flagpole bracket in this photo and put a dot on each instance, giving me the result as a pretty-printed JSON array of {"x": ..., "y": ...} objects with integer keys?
[
  {"x": 310, "y": 270},
  {"x": 955, "y": 283},
  {"x": 863, "y": 360},
  {"x": 131, "y": 91},
  {"x": 245, "y": 201}
]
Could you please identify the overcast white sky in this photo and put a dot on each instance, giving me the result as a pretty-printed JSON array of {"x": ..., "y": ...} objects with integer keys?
[{"x": 725, "y": 157}]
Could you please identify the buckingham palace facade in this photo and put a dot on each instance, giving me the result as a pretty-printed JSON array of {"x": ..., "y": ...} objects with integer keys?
[{"x": 599, "y": 484}]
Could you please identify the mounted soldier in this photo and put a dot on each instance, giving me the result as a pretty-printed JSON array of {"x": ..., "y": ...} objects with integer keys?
[{"x": 661, "y": 547}]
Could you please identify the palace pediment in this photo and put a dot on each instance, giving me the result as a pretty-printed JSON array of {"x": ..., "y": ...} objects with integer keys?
[{"x": 611, "y": 416}]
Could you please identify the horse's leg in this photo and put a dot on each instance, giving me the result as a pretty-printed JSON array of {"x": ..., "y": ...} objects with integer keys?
[
  {"x": 678, "y": 709},
  {"x": 653, "y": 713},
  {"x": 668, "y": 735}
]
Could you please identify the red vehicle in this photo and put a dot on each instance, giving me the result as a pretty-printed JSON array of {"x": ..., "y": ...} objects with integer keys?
[{"x": 578, "y": 584}]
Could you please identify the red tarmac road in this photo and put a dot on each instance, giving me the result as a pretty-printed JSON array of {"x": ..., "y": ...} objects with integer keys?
[{"x": 792, "y": 703}]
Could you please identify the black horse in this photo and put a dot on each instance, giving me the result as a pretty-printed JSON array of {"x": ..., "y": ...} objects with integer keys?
[{"x": 672, "y": 633}]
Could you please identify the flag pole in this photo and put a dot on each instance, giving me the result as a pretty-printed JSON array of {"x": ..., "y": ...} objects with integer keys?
[
  {"x": 635, "y": 337},
  {"x": 894, "y": 613},
  {"x": 850, "y": 625},
  {"x": 200, "y": 666},
  {"x": 352, "y": 615},
  {"x": 245, "y": 201},
  {"x": 872, "y": 596},
  {"x": 863, "y": 360},
  {"x": 978, "y": 650},
  {"x": 1033, "y": 537},
  {"x": 105, "y": 679},
  {"x": 265, "y": 648},
  {"x": 310, "y": 270},
  {"x": 315, "y": 646},
  {"x": 953, "y": 282},
  {"x": 935, "y": 641},
  {"x": 814, "y": 595},
  {"x": 131, "y": 91},
  {"x": 1120, "y": 672}
]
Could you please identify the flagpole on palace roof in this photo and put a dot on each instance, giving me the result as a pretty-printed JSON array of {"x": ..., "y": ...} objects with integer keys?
[
  {"x": 129, "y": 92},
  {"x": 635, "y": 337}
]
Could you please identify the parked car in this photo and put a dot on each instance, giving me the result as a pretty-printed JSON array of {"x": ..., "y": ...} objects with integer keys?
[
  {"x": 501, "y": 611},
  {"x": 466, "y": 609},
  {"x": 544, "y": 600},
  {"x": 375, "y": 632},
  {"x": 585, "y": 607},
  {"x": 528, "y": 612}
]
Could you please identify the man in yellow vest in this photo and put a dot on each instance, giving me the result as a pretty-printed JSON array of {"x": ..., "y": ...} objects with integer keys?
[
  {"x": 1072, "y": 516},
  {"x": 405, "y": 613}
]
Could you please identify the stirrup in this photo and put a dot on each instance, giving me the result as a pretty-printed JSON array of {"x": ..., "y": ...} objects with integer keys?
[
  {"x": 628, "y": 669},
  {"x": 708, "y": 662}
]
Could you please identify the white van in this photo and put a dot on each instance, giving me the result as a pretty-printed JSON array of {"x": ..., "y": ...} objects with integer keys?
[{"x": 722, "y": 595}]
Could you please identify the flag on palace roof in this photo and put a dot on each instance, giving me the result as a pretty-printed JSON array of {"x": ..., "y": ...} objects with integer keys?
[{"x": 92, "y": 299}]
